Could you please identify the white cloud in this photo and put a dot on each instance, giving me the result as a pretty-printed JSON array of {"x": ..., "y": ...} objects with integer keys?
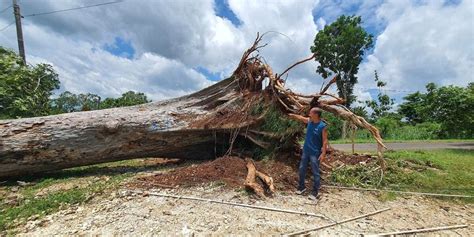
[
  {"x": 292, "y": 31},
  {"x": 83, "y": 67},
  {"x": 423, "y": 43}
]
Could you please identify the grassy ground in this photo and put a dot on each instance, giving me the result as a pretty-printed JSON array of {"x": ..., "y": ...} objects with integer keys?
[
  {"x": 49, "y": 193},
  {"x": 438, "y": 171},
  {"x": 360, "y": 140}
]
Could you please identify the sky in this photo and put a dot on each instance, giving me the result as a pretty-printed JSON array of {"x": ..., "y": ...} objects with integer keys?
[{"x": 171, "y": 48}]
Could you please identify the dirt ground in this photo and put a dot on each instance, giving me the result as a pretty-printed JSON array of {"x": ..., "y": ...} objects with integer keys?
[
  {"x": 232, "y": 171},
  {"x": 126, "y": 213}
]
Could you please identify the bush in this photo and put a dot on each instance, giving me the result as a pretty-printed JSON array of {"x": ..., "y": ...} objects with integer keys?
[{"x": 422, "y": 131}]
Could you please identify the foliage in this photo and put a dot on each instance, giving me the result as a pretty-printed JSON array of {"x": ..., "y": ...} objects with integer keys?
[
  {"x": 334, "y": 126},
  {"x": 339, "y": 49},
  {"x": 277, "y": 122},
  {"x": 24, "y": 89},
  {"x": 444, "y": 171},
  {"x": 69, "y": 102},
  {"x": 128, "y": 98},
  {"x": 286, "y": 130},
  {"x": 386, "y": 125},
  {"x": 450, "y": 106},
  {"x": 382, "y": 106}
]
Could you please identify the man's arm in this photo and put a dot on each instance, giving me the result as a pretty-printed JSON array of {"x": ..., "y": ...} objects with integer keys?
[
  {"x": 298, "y": 117},
  {"x": 325, "y": 145}
]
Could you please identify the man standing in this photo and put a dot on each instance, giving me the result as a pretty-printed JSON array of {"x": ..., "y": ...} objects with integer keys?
[{"x": 314, "y": 149}]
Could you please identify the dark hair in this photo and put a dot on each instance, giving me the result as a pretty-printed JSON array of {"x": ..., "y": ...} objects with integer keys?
[{"x": 316, "y": 110}]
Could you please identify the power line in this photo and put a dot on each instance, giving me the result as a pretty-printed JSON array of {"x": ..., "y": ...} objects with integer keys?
[
  {"x": 4, "y": 28},
  {"x": 383, "y": 89},
  {"x": 63, "y": 10},
  {"x": 72, "y": 9},
  {"x": 6, "y": 9}
]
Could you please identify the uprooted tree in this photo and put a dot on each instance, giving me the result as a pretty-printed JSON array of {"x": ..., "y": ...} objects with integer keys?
[{"x": 238, "y": 115}]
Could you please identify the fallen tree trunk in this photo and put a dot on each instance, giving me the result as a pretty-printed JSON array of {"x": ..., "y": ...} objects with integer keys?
[
  {"x": 184, "y": 128},
  {"x": 203, "y": 125}
]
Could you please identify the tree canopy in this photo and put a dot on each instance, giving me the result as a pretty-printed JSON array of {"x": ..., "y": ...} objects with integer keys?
[
  {"x": 339, "y": 49},
  {"x": 450, "y": 106},
  {"x": 24, "y": 89},
  {"x": 69, "y": 102}
]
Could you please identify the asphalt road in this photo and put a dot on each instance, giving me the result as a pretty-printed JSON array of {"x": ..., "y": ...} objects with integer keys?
[{"x": 407, "y": 146}]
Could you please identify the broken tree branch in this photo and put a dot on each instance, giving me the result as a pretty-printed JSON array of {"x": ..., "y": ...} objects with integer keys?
[
  {"x": 294, "y": 65},
  {"x": 332, "y": 81}
]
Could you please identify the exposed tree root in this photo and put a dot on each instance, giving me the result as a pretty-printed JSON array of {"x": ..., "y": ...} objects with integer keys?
[{"x": 252, "y": 71}]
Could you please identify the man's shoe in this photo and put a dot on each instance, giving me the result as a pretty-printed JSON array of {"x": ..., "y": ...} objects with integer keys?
[
  {"x": 314, "y": 197},
  {"x": 300, "y": 191}
]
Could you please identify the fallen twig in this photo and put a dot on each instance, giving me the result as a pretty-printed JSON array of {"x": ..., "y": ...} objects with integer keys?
[
  {"x": 337, "y": 222},
  {"x": 403, "y": 192},
  {"x": 231, "y": 203},
  {"x": 419, "y": 230}
]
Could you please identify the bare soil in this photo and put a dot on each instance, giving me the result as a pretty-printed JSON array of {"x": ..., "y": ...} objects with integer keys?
[{"x": 231, "y": 171}]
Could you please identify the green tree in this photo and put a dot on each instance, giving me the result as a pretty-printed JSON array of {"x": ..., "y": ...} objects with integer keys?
[
  {"x": 128, "y": 98},
  {"x": 413, "y": 108},
  {"x": 66, "y": 102},
  {"x": 339, "y": 49},
  {"x": 24, "y": 89},
  {"x": 382, "y": 106},
  {"x": 132, "y": 98},
  {"x": 108, "y": 103},
  {"x": 69, "y": 102},
  {"x": 89, "y": 101},
  {"x": 450, "y": 106}
]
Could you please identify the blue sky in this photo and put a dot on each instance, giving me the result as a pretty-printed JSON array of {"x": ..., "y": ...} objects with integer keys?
[
  {"x": 223, "y": 10},
  {"x": 121, "y": 48}
]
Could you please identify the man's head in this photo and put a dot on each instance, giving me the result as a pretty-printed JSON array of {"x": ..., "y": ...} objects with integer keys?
[{"x": 315, "y": 113}]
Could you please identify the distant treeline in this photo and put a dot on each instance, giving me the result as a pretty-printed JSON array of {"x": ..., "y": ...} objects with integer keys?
[
  {"x": 26, "y": 90},
  {"x": 439, "y": 113}
]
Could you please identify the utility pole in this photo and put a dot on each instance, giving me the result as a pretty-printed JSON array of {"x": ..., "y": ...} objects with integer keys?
[{"x": 19, "y": 32}]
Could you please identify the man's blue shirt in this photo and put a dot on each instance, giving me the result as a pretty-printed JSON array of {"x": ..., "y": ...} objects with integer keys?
[{"x": 314, "y": 138}]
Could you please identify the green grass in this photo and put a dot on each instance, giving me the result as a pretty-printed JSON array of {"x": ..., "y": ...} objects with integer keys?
[
  {"x": 84, "y": 183},
  {"x": 439, "y": 171},
  {"x": 362, "y": 140}
]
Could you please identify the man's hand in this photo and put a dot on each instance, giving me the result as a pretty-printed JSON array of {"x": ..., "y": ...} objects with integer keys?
[{"x": 322, "y": 157}]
